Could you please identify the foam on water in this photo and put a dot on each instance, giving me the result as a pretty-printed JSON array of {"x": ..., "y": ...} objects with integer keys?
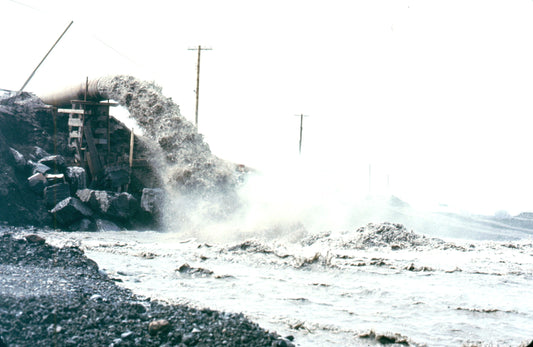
[
  {"x": 324, "y": 293},
  {"x": 371, "y": 285}
]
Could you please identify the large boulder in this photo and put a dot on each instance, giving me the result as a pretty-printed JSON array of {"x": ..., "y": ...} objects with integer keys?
[
  {"x": 56, "y": 162},
  {"x": 123, "y": 206},
  {"x": 38, "y": 153},
  {"x": 37, "y": 183},
  {"x": 70, "y": 210},
  {"x": 39, "y": 168},
  {"x": 77, "y": 177},
  {"x": 106, "y": 225},
  {"x": 20, "y": 161},
  {"x": 116, "y": 176},
  {"x": 98, "y": 200},
  {"x": 85, "y": 224},
  {"x": 55, "y": 193}
]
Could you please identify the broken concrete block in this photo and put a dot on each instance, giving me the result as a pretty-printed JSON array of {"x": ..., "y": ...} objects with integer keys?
[
  {"x": 56, "y": 162},
  {"x": 123, "y": 206},
  {"x": 84, "y": 194},
  {"x": 84, "y": 224},
  {"x": 98, "y": 200},
  {"x": 106, "y": 225},
  {"x": 116, "y": 176},
  {"x": 55, "y": 193},
  {"x": 115, "y": 205},
  {"x": 37, "y": 183},
  {"x": 38, "y": 153},
  {"x": 77, "y": 177},
  {"x": 38, "y": 168},
  {"x": 70, "y": 210},
  {"x": 20, "y": 161}
]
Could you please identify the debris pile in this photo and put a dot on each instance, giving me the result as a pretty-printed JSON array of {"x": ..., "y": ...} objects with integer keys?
[{"x": 43, "y": 189}]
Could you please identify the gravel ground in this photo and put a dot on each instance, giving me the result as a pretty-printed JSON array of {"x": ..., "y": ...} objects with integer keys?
[{"x": 57, "y": 297}]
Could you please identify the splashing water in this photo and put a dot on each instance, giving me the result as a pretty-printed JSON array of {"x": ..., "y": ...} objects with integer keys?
[{"x": 199, "y": 185}]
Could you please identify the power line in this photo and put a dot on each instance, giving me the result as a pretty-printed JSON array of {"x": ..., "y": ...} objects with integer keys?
[
  {"x": 26, "y": 5},
  {"x": 199, "y": 49}
]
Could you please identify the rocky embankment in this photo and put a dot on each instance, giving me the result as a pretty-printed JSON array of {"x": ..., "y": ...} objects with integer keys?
[
  {"x": 41, "y": 184},
  {"x": 57, "y": 297}
]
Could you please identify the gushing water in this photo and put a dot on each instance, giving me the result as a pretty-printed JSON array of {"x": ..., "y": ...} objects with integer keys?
[
  {"x": 338, "y": 286},
  {"x": 199, "y": 185}
]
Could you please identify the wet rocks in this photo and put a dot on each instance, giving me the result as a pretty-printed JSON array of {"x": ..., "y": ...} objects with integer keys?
[
  {"x": 55, "y": 193},
  {"x": 56, "y": 162},
  {"x": 116, "y": 176},
  {"x": 80, "y": 305},
  {"x": 19, "y": 159},
  {"x": 186, "y": 269},
  {"x": 385, "y": 339},
  {"x": 70, "y": 210},
  {"x": 38, "y": 153},
  {"x": 39, "y": 168},
  {"x": 76, "y": 177},
  {"x": 33, "y": 181},
  {"x": 37, "y": 183},
  {"x": 412, "y": 267},
  {"x": 158, "y": 326},
  {"x": 98, "y": 200},
  {"x": 106, "y": 225},
  {"x": 121, "y": 206},
  {"x": 32, "y": 238}
]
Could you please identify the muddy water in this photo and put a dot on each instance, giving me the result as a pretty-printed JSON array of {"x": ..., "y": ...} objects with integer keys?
[
  {"x": 328, "y": 288},
  {"x": 189, "y": 164},
  {"x": 331, "y": 288},
  {"x": 200, "y": 186}
]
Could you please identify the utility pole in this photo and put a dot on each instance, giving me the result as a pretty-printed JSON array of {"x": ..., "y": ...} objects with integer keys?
[
  {"x": 301, "y": 129},
  {"x": 199, "y": 49}
]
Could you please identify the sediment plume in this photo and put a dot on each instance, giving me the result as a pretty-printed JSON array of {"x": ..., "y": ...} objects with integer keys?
[
  {"x": 199, "y": 185},
  {"x": 191, "y": 167}
]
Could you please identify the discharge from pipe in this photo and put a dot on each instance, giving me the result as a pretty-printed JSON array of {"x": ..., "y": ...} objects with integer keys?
[{"x": 200, "y": 186}]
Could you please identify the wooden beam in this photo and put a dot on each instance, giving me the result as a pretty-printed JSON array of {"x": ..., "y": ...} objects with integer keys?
[
  {"x": 71, "y": 110},
  {"x": 132, "y": 138},
  {"x": 94, "y": 158}
]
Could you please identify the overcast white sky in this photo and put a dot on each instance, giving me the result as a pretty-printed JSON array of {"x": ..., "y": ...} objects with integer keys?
[{"x": 435, "y": 94}]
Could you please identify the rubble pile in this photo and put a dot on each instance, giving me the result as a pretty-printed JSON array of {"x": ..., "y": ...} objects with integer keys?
[{"x": 43, "y": 189}]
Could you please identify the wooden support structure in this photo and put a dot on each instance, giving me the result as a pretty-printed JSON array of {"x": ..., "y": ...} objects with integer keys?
[
  {"x": 89, "y": 133},
  {"x": 94, "y": 158}
]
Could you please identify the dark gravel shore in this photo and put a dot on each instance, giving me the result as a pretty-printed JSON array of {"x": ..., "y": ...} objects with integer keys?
[{"x": 57, "y": 297}]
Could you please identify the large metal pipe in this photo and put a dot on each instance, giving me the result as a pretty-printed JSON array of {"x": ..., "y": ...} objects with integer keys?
[{"x": 64, "y": 96}]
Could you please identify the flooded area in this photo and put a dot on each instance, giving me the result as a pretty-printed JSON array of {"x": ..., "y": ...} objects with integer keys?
[{"x": 324, "y": 290}]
